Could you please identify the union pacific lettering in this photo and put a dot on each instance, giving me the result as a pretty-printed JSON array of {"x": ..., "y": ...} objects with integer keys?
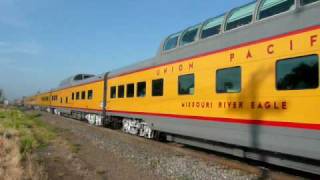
[
  {"x": 270, "y": 48},
  {"x": 182, "y": 67}
]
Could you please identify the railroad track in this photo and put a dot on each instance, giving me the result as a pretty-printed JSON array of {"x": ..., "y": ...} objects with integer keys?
[{"x": 170, "y": 160}]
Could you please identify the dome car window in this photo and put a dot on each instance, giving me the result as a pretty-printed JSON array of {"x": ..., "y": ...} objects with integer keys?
[
  {"x": 305, "y": 2},
  {"x": 78, "y": 77},
  {"x": 157, "y": 87},
  {"x": 228, "y": 80},
  {"x": 240, "y": 16},
  {"x": 171, "y": 42},
  {"x": 298, "y": 73},
  {"x": 212, "y": 27},
  {"x": 189, "y": 35},
  {"x": 87, "y": 76},
  {"x": 186, "y": 84},
  {"x": 272, "y": 7}
]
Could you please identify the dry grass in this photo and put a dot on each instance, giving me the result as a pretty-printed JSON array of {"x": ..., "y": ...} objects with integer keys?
[
  {"x": 10, "y": 166},
  {"x": 20, "y": 135}
]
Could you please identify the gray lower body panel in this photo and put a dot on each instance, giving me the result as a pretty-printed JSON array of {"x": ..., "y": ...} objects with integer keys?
[{"x": 291, "y": 141}]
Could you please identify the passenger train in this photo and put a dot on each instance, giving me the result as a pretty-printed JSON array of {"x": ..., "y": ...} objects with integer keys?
[{"x": 245, "y": 83}]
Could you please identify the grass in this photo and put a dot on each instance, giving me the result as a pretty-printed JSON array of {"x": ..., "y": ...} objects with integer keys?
[
  {"x": 31, "y": 131},
  {"x": 75, "y": 148}
]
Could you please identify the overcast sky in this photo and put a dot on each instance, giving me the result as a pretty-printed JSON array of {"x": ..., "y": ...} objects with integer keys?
[{"x": 45, "y": 41}]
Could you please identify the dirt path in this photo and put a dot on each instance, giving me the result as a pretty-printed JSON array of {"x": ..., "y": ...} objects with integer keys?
[{"x": 71, "y": 157}]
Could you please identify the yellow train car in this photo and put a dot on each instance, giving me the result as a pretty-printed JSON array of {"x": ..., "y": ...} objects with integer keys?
[
  {"x": 240, "y": 84},
  {"x": 43, "y": 100},
  {"x": 86, "y": 96},
  {"x": 244, "y": 83},
  {"x": 30, "y": 101}
]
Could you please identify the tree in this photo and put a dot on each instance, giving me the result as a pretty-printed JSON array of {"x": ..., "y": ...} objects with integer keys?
[{"x": 1, "y": 96}]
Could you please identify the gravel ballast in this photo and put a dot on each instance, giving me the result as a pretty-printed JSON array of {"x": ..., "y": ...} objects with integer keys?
[{"x": 148, "y": 155}]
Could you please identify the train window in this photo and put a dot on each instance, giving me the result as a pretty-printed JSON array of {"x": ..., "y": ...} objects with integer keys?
[
  {"x": 186, "y": 84},
  {"x": 305, "y": 2},
  {"x": 78, "y": 77},
  {"x": 272, "y": 7},
  {"x": 212, "y": 27},
  {"x": 189, "y": 35},
  {"x": 113, "y": 92},
  {"x": 228, "y": 80},
  {"x": 130, "y": 90},
  {"x": 141, "y": 89},
  {"x": 298, "y": 73},
  {"x": 157, "y": 87},
  {"x": 78, "y": 95},
  {"x": 171, "y": 42},
  {"x": 90, "y": 94},
  {"x": 86, "y": 76},
  {"x": 121, "y": 91},
  {"x": 241, "y": 16},
  {"x": 83, "y": 95},
  {"x": 72, "y": 97}
]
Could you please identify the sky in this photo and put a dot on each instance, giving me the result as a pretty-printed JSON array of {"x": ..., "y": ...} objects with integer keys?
[{"x": 43, "y": 42}]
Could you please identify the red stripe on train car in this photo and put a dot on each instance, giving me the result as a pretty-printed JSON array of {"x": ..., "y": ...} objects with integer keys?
[{"x": 231, "y": 120}]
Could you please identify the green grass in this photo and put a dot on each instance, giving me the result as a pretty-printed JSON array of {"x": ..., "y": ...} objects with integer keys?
[{"x": 32, "y": 132}]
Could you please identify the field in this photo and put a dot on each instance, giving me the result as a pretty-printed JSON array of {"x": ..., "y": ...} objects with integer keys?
[{"x": 20, "y": 135}]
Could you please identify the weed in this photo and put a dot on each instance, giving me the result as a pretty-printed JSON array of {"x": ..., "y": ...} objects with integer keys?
[
  {"x": 100, "y": 171},
  {"x": 75, "y": 148},
  {"x": 32, "y": 132},
  {"x": 26, "y": 145},
  {"x": 154, "y": 163}
]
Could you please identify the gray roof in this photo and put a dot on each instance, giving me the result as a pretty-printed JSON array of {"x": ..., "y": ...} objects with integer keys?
[{"x": 72, "y": 82}]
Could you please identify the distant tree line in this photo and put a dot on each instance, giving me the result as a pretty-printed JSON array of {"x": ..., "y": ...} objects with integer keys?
[{"x": 1, "y": 96}]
